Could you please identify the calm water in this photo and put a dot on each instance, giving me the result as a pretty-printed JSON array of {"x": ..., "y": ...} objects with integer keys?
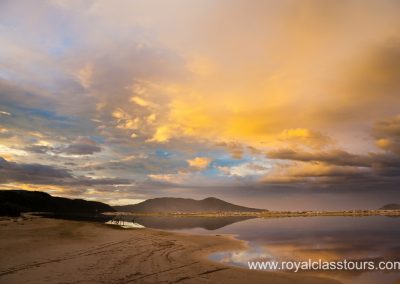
[{"x": 301, "y": 238}]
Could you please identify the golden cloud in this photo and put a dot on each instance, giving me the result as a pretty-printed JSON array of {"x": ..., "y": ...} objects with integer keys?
[
  {"x": 199, "y": 163},
  {"x": 304, "y": 136},
  {"x": 139, "y": 101},
  {"x": 175, "y": 178},
  {"x": 387, "y": 134}
]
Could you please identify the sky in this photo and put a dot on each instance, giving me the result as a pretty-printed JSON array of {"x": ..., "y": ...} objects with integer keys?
[{"x": 283, "y": 105}]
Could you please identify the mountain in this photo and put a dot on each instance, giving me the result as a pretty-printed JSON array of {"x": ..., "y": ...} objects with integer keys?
[
  {"x": 391, "y": 206},
  {"x": 13, "y": 202},
  {"x": 184, "y": 205}
]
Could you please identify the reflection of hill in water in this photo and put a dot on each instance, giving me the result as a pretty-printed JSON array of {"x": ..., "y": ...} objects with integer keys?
[{"x": 176, "y": 223}]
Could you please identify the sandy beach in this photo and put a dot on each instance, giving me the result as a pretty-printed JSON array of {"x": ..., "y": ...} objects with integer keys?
[{"x": 41, "y": 250}]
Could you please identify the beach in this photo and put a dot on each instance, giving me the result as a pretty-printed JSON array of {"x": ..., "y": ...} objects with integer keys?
[{"x": 43, "y": 250}]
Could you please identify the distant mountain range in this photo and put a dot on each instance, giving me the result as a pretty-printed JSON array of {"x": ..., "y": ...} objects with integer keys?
[
  {"x": 184, "y": 205},
  {"x": 391, "y": 206},
  {"x": 13, "y": 202}
]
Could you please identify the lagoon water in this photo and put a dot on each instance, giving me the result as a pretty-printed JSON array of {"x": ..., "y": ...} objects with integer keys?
[{"x": 374, "y": 238}]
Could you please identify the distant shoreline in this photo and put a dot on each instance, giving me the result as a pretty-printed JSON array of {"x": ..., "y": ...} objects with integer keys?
[{"x": 270, "y": 214}]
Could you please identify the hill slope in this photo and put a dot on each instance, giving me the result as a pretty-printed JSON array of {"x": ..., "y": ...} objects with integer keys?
[
  {"x": 13, "y": 202},
  {"x": 184, "y": 205},
  {"x": 391, "y": 206}
]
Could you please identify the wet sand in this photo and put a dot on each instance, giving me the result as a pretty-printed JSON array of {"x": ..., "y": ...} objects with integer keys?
[{"x": 41, "y": 250}]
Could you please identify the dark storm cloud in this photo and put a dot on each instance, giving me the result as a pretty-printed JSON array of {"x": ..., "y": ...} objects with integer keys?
[
  {"x": 334, "y": 157},
  {"x": 334, "y": 167},
  {"x": 11, "y": 171},
  {"x": 49, "y": 175}
]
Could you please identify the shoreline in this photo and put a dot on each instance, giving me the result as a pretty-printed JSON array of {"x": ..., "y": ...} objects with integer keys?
[
  {"x": 268, "y": 214},
  {"x": 44, "y": 250}
]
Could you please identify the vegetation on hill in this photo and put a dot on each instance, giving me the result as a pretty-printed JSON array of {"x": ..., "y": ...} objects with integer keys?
[{"x": 14, "y": 202}]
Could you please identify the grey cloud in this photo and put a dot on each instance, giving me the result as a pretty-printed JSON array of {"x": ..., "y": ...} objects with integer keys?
[
  {"x": 386, "y": 164},
  {"x": 86, "y": 181},
  {"x": 335, "y": 172},
  {"x": 82, "y": 146},
  {"x": 334, "y": 157},
  {"x": 50, "y": 175},
  {"x": 38, "y": 149},
  {"x": 335, "y": 167},
  {"x": 35, "y": 173}
]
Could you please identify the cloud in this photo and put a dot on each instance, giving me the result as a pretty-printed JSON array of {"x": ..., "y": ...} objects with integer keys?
[
  {"x": 334, "y": 157},
  {"x": 82, "y": 146},
  {"x": 236, "y": 149},
  {"x": 376, "y": 73},
  {"x": 303, "y": 136},
  {"x": 85, "y": 75},
  {"x": 246, "y": 169},
  {"x": 39, "y": 149},
  {"x": 319, "y": 173},
  {"x": 48, "y": 175},
  {"x": 139, "y": 101},
  {"x": 175, "y": 178},
  {"x": 199, "y": 163},
  {"x": 326, "y": 170},
  {"x": 387, "y": 134},
  {"x": 5, "y": 113},
  {"x": 23, "y": 172},
  {"x": 162, "y": 134},
  {"x": 5, "y": 133},
  {"x": 333, "y": 167}
]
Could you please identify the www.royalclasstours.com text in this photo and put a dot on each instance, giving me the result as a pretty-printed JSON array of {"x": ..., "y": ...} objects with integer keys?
[{"x": 323, "y": 265}]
